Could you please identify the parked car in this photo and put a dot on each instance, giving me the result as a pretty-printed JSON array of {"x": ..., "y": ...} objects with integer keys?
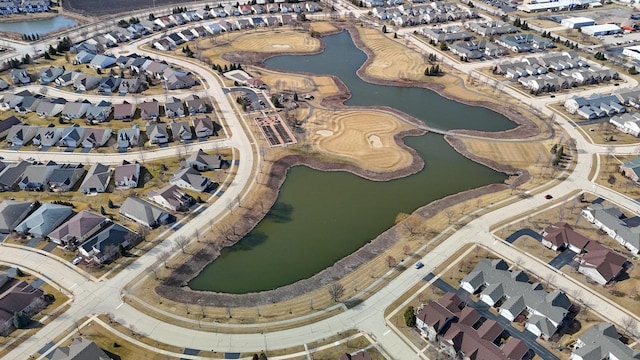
[{"x": 76, "y": 260}]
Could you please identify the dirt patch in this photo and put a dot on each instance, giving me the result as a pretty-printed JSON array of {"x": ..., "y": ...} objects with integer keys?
[{"x": 375, "y": 141}]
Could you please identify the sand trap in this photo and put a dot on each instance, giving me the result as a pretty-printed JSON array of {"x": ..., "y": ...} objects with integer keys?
[
  {"x": 281, "y": 46},
  {"x": 324, "y": 133},
  {"x": 375, "y": 141}
]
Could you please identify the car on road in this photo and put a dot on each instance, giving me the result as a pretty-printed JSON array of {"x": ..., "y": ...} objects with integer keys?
[
  {"x": 419, "y": 265},
  {"x": 548, "y": 197}
]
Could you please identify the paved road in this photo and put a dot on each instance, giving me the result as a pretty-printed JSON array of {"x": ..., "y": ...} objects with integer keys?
[{"x": 92, "y": 297}]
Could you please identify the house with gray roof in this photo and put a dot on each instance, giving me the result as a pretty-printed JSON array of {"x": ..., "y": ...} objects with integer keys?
[
  {"x": 612, "y": 221},
  {"x": 20, "y": 135},
  {"x": 628, "y": 123},
  {"x": 68, "y": 77},
  {"x": 99, "y": 112},
  {"x": 96, "y": 137},
  {"x": 36, "y": 176},
  {"x": 11, "y": 176},
  {"x": 71, "y": 136},
  {"x": 196, "y": 105},
  {"x": 10, "y": 101},
  {"x": 75, "y": 110},
  {"x": 171, "y": 197},
  {"x": 143, "y": 212},
  {"x": 12, "y": 212},
  {"x": 50, "y": 74},
  {"x": 103, "y": 246},
  {"x": 65, "y": 177},
  {"x": 157, "y": 133},
  {"x": 86, "y": 82},
  {"x": 131, "y": 86},
  {"x": 126, "y": 175},
  {"x": 50, "y": 108},
  {"x": 3, "y": 85},
  {"x": 6, "y": 124},
  {"x": 84, "y": 57},
  {"x": 79, "y": 228},
  {"x": 29, "y": 104},
  {"x": 497, "y": 284},
  {"x": 203, "y": 126},
  {"x": 44, "y": 220},
  {"x": 20, "y": 77},
  {"x": 47, "y": 136},
  {"x": 202, "y": 161},
  {"x": 602, "y": 341},
  {"x": 190, "y": 179},
  {"x": 97, "y": 179},
  {"x": 176, "y": 82},
  {"x": 631, "y": 169},
  {"x": 17, "y": 296},
  {"x": 181, "y": 130},
  {"x": 80, "y": 349},
  {"x": 128, "y": 138},
  {"x": 174, "y": 108},
  {"x": 109, "y": 85},
  {"x": 102, "y": 61}
]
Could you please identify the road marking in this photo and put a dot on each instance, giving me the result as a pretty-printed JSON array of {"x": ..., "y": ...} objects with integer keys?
[
  {"x": 386, "y": 332},
  {"x": 72, "y": 286},
  {"x": 118, "y": 307}
]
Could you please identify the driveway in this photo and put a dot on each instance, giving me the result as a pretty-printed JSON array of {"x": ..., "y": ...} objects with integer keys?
[
  {"x": 564, "y": 258},
  {"x": 526, "y": 337},
  {"x": 522, "y": 232}
]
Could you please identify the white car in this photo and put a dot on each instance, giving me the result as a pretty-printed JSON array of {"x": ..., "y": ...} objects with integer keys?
[{"x": 76, "y": 260}]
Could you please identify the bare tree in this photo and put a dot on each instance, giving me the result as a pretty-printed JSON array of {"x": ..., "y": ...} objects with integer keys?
[
  {"x": 391, "y": 261},
  {"x": 152, "y": 270},
  {"x": 182, "y": 242},
  {"x": 449, "y": 213},
  {"x": 336, "y": 290},
  {"x": 164, "y": 257},
  {"x": 133, "y": 330},
  {"x": 111, "y": 318},
  {"x": 630, "y": 325},
  {"x": 406, "y": 249}
]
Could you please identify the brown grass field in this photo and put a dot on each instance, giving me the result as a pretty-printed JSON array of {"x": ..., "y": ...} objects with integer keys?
[
  {"x": 364, "y": 138},
  {"x": 610, "y": 177}
]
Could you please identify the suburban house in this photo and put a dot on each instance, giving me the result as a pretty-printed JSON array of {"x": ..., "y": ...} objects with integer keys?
[
  {"x": 11, "y": 176},
  {"x": 134, "y": 85},
  {"x": 68, "y": 77},
  {"x": 126, "y": 175},
  {"x": 44, "y": 220},
  {"x": 203, "y": 127},
  {"x": 150, "y": 110},
  {"x": 202, "y": 161},
  {"x": 512, "y": 289},
  {"x": 20, "y": 135},
  {"x": 195, "y": 105},
  {"x": 50, "y": 108},
  {"x": 601, "y": 264},
  {"x": 190, "y": 179},
  {"x": 631, "y": 169},
  {"x": 50, "y": 74},
  {"x": 96, "y": 137},
  {"x": 362, "y": 355},
  {"x": 612, "y": 221},
  {"x": 3, "y": 85},
  {"x": 78, "y": 229},
  {"x": 560, "y": 235},
  {"x": 157, "y": 133},
  {"x": 102, "y": 61},
  {"x": 75, "y": 110},
  {"x": 36, "y": 176},
  {"x": 10, "y": 101},
  {"x": 6, "y": 124},
  {"x": 181, "y": 130},
  {"x": 103, "y": 246},
  {"x": 124, "y": 111},
  {"x": 20, "y": 77},
  {"x": 171, "y": 197},
  {"x": 65, "y": 177},
  {"x": 602, "y": 341},
  {"x": 47, "y": 136},
  {"x": 628, "y": 123},
  {"x": 86, "y": 82},
  {"x": 109, "y": 85},
  {"x": 29, "y": 104},
  {"x": 99, "y": 112},
  {"x": 80, "y": 348},
  {"x": 72, "y": 136},
  {"x": 143, "y": 212},
  {"x": 176, "y": 82},
  {"x": 84, "y": 57},
  {"x": 174, "y": 108},
  {"x": 17, "y": 296},
  {"x": 97, "y": 179},
  {"x": 462, "y": 331},
  {"x": 128, "y": 137},
  {"x": 12, "y": 212}
]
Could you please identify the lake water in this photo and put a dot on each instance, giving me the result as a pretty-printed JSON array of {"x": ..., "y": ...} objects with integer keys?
[
  {"x": 41, "y": 27},
  {"x": 320, "y": 217}
]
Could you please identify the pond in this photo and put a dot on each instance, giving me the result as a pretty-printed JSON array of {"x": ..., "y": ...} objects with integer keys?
[
  {"x": 40, "y": 26},
  {"x": 321, "y": 217}
]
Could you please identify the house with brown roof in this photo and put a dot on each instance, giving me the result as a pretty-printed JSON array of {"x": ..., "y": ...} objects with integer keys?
[
  {"x": 96, "y": 137},
  {"x": 601, "y": 264},
  {"x": 18, "y": 296},
  {"x": 126, "y": 175},
  {"x": 464, "y": 333},
  {"x": 202, "y": 161},
  {"x": 78, "y": 229},
  {"x": 150, "y": 110},
  {"x": 171, "y": 197},
  {"x": 561, "y": 235},
  {"x": 124, "y": 111},
  {"x": 203, "y": 127}
]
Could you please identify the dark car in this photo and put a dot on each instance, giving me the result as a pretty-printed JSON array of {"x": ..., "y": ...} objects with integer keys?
[{"x": 548, "y": 197}]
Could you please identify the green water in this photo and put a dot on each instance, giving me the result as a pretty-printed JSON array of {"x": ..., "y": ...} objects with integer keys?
[{"x": 320, "y": 217}]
